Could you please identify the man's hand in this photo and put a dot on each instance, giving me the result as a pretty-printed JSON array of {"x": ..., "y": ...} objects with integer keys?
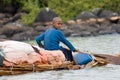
[
  {"x": 76, "y": 50},
  {"x": 42, "y": 46}
]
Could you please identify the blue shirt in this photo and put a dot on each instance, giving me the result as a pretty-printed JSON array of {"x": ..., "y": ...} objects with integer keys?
[{"x": 52, "y": 37}]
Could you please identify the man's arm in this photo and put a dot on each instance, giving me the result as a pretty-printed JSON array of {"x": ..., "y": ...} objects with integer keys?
[
  {"x": 39, "y": 39},
  {"x": 62, "y": 38}
]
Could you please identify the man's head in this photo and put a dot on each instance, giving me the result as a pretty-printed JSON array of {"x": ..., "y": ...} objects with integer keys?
[{"x": 57, "y": 22}]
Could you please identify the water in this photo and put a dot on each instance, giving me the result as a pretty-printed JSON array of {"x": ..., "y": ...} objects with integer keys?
[
  {"x": 108, "y": 44},
  {"x": 101, "y": 44}
]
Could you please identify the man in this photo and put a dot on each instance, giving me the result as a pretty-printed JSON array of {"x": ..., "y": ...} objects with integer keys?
[
  {"x": 1, "y": 59},
  {"x": 53, "y": 36}
]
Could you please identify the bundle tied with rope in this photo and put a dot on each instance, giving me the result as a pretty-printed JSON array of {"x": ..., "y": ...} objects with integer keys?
[{"x": 85, "y": 58}]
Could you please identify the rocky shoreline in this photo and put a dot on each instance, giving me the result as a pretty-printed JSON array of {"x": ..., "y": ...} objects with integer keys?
[{"x": 85, "y": 24}]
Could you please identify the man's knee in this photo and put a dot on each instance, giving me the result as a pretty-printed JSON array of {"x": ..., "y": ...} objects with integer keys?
[{"x": 67, "y": 53}]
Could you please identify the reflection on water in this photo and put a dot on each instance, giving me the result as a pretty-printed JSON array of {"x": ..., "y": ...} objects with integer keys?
[{"x": 109, "y": 44}]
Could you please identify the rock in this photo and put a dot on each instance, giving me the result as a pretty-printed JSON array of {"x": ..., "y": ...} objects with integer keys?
[
  {"x": 71, "y": 22},
  {"x": 10, "y": 29},
  {"x": 118, "y": 22},
  {"x": 105, "y": 29},
  {"x": 9, "y": 9},
  {"x": 41, "y": 28},
  {"x": 28, "y": 35},
  {"x": 85, "y": 15},
  {"x": 97, "y": 11},
  {"x": 106, "y": 32},
  {"x": 107, "y": 14},
  {"x": 67, "y": 33},
  {"x": 82, "y": 34},
  {"x": 2, "y": 16},
  {"x": 115, "y": 18},
  {"x": 106, "y": 23},
  {"x": 13, "y": 18},
  {"x": 117, "y": 28},
  {"x": 45, "y": 15},
  {"x": 77, "y": 27},
  {"x": 3, "y": 37},
  {"x": 100, "y": 20}
]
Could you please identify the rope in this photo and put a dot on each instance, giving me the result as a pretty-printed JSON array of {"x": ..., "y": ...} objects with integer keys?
[
  {"x": 33, "y": 67},
  {"x": 11, "y": 69},
  {"x": 52, "y": 67}
]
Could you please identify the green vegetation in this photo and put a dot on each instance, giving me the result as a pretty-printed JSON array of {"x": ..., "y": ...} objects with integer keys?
[
  {"x": 32, "y": 7},
  {"x": 66, "y": 9}
]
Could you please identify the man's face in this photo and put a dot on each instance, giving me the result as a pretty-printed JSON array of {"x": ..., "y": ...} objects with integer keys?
[{"x": 57, "y": 24}]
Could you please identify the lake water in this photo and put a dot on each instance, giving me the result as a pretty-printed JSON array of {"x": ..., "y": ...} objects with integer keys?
[{"x": 109, "y": 44}]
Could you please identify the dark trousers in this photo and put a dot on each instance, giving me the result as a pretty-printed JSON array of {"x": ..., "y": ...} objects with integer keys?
[{"x": 67, "y": 53}]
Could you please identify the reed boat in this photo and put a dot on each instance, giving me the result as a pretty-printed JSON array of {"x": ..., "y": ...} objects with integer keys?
[
  {"x": 30, "y": 55},
  {"x": 99, "y": 60},
  {"x": 22, "y": 69}
]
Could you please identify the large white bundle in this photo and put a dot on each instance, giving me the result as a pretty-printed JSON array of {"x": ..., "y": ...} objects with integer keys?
[{"x": 15, "y": 46}]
